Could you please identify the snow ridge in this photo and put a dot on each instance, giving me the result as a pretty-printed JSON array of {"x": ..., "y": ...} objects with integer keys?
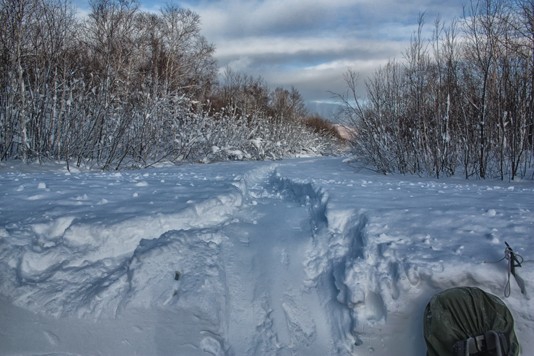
[
  {"x": 338, "y": 243},
  {"x": 358, "y": 279},
  {"x": 96, "y": 258}
]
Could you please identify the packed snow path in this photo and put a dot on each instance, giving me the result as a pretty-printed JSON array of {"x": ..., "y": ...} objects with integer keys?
[{"x": 298, "y": 257}]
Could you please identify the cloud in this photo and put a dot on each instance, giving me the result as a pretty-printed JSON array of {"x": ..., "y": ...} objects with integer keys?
[
  {"x": 235, "y": 18},
  {"x": 254, "y": 17},
  {"x": 311, "y": 44},
  {"x": 314, "y": 65}
]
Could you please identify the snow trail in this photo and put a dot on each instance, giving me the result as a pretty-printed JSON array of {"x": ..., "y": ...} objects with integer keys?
[{"x": 267, "y": 309}]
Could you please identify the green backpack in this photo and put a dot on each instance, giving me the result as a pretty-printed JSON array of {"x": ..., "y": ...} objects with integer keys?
[{"x": 467, "y": 321}]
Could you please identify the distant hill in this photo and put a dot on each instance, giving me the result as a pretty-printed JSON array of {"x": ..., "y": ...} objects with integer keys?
[{"x": 324, "y": 109}]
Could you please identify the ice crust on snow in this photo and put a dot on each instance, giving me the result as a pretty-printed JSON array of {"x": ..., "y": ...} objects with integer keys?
[{"x": 305, "y": 256}]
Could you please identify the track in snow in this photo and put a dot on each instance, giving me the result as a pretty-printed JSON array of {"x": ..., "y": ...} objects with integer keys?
[{"x": 232, "y": 270}]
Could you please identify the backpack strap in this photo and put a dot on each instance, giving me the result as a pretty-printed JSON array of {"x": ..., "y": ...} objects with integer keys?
[{"x": 491, "y": 343}]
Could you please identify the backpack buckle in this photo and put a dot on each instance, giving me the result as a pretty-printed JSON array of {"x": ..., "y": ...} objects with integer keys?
[{"x": 488, "y": 344}]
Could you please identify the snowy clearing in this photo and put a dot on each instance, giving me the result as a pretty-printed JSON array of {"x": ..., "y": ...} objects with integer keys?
[{"x": 297, "y": 257}]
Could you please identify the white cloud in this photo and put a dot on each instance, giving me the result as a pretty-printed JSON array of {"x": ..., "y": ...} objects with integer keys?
[
  {"x": 344, "y": 64},
  {"x": 241, "y": 64},
  {"x": 306, "y": 47},
  {"x": 278, "y": 45}
]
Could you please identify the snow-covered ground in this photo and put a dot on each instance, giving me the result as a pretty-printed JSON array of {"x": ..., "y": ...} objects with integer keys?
[{"x": 298, "y": 257}]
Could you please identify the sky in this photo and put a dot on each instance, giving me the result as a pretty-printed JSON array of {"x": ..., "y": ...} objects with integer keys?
[{"x": 310, "y": 44}]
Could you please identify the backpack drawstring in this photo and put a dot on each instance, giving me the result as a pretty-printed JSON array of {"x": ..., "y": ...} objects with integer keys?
[{"x": 514, "y": 260}]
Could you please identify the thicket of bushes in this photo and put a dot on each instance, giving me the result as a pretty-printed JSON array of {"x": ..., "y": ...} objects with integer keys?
[
  {"x": 126, "y": 87},
  {"x": 462, "y": 100}
]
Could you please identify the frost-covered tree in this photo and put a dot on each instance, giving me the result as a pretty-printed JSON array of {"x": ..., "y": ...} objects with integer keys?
[
  {"x": 122, "y": 87},
  {"x": 462, "y": 99}
]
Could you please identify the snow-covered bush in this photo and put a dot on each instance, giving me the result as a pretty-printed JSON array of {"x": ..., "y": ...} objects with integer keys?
[{"x": 131, "y": 89}]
